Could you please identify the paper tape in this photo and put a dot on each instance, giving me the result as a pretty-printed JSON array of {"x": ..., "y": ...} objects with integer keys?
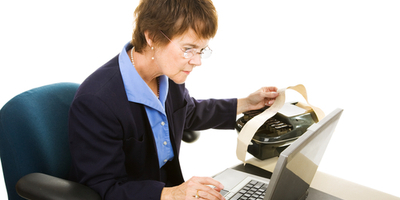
[{"x": 251, "y": 127}]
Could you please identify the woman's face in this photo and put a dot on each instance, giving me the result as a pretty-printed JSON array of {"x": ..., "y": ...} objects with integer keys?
[{"x": 170, "y": 58}]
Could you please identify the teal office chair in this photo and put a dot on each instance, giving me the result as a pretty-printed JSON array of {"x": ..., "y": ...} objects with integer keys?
[{"x": 34, "y": 145}]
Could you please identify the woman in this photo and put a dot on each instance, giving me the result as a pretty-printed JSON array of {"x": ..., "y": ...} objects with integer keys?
[{"x": 127, "y": 118}]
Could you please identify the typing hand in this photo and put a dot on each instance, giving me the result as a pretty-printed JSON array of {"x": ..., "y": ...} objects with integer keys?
[{"x": 195, "y": 188}]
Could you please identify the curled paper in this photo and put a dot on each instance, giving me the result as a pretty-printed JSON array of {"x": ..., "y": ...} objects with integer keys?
[{"x": 251, "y": 127}]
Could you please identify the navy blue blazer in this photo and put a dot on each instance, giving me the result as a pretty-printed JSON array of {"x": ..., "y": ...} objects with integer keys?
[{"x": 112, "y": 145}]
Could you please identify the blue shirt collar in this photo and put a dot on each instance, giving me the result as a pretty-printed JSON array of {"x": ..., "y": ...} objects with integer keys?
[{"x": 136, "y": 89}]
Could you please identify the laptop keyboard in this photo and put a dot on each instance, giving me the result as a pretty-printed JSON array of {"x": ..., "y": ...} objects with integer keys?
[{"x": 254, "y": 190}]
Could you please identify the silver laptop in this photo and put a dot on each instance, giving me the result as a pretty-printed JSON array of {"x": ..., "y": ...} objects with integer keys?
[{"x": 294, "y": 170}]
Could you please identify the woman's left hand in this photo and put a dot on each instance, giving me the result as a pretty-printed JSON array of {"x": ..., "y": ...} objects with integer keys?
[{"x": 263, "y": 97}]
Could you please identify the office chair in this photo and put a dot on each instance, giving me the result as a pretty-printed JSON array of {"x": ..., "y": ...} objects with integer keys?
[
  {"x": 34, "y": 142},
  {"x": 34, "y": 147}
]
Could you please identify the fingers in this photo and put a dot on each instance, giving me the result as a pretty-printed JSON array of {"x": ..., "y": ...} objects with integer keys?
[
  {"x": 263, "y": 97},
  {"x": 205, "y": 188},
  {"x": 272, "y": 94},
  {"x": 211, "y": 195},
  {"x": 269, "y": 102},
  {"x": 269, "y": 94},
  {"x": 270, "y": 89},
  {"x": 209, "y": 181}
]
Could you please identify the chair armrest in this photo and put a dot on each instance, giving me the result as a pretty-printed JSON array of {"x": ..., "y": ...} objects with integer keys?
[
  {"x": 38, "y": 186},
  {"x": 190, "y": 136}
]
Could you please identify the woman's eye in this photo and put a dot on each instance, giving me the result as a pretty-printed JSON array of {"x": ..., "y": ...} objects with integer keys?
[{"x": 188, "y": 49}]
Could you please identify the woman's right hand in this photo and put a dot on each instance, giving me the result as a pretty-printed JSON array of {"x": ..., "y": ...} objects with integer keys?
[{"x": 194, "y": 188}]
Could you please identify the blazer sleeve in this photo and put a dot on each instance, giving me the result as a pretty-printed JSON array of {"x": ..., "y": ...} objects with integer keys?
[
  {"x": 210, "y": 113},
  {"x": 98, "y": 158}
]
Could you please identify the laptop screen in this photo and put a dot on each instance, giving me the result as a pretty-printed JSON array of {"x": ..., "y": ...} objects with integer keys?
[{"x": 298, "y": 164}]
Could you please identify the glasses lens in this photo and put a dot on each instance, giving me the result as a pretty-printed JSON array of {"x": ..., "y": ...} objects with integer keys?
[
  {"x": 187, "y": 54},
  {"x": 206, "y": 53}
]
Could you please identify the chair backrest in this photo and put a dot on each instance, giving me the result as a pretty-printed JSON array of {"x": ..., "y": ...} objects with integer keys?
[{"x": 34, "y": 133}]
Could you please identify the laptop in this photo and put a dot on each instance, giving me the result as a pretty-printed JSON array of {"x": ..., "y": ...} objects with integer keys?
[{"x": 294, "y": 170}]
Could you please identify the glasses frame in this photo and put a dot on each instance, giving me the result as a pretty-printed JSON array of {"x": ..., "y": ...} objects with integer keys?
[{"x": 193, "y": 51}]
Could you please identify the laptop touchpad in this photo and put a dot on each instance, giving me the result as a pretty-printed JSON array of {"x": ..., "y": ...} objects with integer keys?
[{"x": 230, "y": 178}]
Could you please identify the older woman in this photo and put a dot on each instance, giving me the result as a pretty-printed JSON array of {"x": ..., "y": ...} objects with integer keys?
[{"x": 127, "y": 118}]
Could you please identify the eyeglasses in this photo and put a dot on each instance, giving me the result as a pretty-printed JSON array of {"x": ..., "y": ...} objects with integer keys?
[{"x": 190, "y": 52}]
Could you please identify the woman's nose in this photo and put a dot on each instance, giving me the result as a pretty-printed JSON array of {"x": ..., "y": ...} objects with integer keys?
[{"x": 195, "y": 60}]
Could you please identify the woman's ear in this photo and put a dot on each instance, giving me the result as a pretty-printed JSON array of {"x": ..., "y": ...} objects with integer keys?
[{"x": 148, "y": 40}]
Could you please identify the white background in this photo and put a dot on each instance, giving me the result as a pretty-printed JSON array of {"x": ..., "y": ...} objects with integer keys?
[{"x": 345, "y": 52}]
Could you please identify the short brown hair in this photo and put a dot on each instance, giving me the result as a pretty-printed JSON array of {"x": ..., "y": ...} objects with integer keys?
[{"x": 174, "y": 18}]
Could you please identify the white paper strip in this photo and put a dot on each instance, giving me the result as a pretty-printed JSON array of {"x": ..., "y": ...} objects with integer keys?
[{"x": 251, "y": 127}]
